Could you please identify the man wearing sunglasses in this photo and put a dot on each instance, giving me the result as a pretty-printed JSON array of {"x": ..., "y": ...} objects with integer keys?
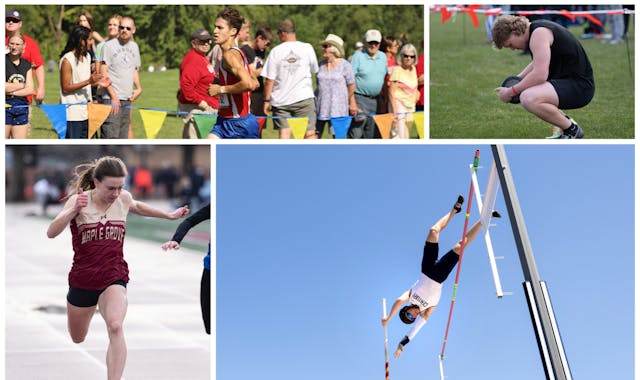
[
  {"x": 121, "y": 62},
  {"x": 424, "y": 295},
  {"x": 196, "y": 74}
]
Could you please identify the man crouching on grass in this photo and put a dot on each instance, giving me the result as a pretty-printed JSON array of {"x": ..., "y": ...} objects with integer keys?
[{"x": 559, "y": 76}]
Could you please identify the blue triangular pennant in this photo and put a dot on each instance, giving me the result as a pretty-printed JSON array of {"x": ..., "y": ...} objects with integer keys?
[
  {"x": 341, "y": 126},
  {"x": 57, "y": 114}
]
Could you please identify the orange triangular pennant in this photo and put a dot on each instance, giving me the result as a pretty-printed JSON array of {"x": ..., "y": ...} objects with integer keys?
[
  {"x": 384, "y": 122},
  {"x": 98, "y": 113}
]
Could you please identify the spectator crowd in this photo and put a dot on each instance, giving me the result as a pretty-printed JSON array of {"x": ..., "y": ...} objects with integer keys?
[{"x": 384, "y": 74}]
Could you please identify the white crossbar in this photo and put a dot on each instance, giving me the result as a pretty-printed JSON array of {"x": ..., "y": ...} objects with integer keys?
[{"x": 485, "y": 217}]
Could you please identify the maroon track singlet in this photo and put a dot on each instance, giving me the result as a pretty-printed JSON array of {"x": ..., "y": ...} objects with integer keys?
[{"x": 98, "y": 240}]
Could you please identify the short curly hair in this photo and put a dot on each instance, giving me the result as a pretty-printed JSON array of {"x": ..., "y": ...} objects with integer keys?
[
  {"x": 232, "y": 17},
  {"x": 504, "y": 26}
]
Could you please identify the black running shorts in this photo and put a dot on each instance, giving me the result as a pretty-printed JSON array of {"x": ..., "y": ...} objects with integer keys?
[
  {"x": 87, "y": 298},
  {"x": 573, "y": 93},
  {"x": 437, "y": 270}
]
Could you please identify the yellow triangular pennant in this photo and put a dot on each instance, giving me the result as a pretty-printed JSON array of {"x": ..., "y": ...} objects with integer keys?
[
  {"x": 384, "y": 122},
  {"x": 152, "y": 121},
  {"x": 98, "y": 113},
  {"x": 418, "y": 119},
  {"x": 298, "y": 126}
]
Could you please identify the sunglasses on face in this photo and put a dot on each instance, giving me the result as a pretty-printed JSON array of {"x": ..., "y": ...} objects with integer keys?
[
  {"x": 205, "y": 42},
  {"x": 408, "y": 56},
  {"x": 11, "y": 20},
  {"x": 373, "y": 43},
  {"x": 411, "y": 316},
  {"x": 129, "y": 28},
  {"x": 325, "y": 46}
]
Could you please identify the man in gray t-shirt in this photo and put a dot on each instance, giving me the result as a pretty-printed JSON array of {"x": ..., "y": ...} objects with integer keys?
[{"x": 121, "y": 61}]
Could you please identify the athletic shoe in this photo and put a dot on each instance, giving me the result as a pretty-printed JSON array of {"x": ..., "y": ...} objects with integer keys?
[
  {"x": 557, "y": 133},
  {"x": 495, "y": 214},
  {"x": 458, "y": 205},
  {"x": 577, "y": 134}
]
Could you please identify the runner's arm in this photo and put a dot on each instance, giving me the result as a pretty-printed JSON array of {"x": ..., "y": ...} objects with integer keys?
[
  {"x": 233, "y": 60},
  {"x": 143, "y": 209},
  {"x": 63, "y": 219},
  {"x": 193, "y": 220}
]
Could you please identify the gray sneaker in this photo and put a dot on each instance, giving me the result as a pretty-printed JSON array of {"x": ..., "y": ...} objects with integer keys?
[{"x": 577, "y": 134}]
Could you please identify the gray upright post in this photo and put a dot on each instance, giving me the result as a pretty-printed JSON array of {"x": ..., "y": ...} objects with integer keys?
[{"x": 544, "y": 322}]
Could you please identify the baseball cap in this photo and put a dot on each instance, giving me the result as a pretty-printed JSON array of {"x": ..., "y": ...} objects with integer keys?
[
  {"x": 14, "y": 14},
  {"x": 201, "y": 34},
  {"x": 359, "y": 44},
  {"x": 372, "y": 35}
]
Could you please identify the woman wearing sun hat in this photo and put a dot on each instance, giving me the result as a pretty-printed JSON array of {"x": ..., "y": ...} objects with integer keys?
[{"x": 336, "y": 84}]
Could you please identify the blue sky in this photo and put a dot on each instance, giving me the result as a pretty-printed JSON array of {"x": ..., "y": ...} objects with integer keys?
[{"x": 310, "y": 238}]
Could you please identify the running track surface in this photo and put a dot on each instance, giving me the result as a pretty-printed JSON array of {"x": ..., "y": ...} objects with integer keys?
[{"x": 163, "y": 327}]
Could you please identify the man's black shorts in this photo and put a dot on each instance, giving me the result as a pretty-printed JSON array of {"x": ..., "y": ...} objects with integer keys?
[{"x": 573, "y": 93}]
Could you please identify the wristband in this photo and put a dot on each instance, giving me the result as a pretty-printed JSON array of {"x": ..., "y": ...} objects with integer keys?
[{"x": 513, "y": 90}]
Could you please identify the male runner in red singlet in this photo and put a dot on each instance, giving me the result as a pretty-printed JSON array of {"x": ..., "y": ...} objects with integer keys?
[
  {"x": 97, "y": 214},
  {"x": 235, "y": 82}
]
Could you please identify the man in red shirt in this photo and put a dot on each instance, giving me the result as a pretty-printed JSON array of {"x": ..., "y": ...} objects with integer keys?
[
  {"x": 196, "y": 74},
  {"x": 420, "y": 72},
  {"x": 13, "y": 23}
]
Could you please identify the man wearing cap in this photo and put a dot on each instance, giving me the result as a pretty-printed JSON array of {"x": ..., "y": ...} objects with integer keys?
[
  {"x": 121, "y": 57},
  {"x": 196, "y": 74},
  {"x": 424, "y": 295},
  {"x": 288, "y": 90},
  {"x": 370, "y": 69},
  {"x": 13, "y": 23}
]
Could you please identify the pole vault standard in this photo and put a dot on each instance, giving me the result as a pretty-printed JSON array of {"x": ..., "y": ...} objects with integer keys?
[
  {"x": 485, "y": 218},
  {"x": 476, "y": 160},
  {"x": 555, "y": 363}
]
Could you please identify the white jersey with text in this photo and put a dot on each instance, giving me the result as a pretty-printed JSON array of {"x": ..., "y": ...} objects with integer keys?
[{"x": 425, "y": 293}]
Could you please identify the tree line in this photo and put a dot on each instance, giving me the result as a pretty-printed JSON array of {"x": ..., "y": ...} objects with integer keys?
[{"x": 163, "y": 31}]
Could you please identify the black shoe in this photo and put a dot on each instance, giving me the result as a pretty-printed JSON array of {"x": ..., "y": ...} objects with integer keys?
[
  {"x": 496, "y": 214},
  {"x": 572, "y": 133},
  {"x": 458, "y": 205}
]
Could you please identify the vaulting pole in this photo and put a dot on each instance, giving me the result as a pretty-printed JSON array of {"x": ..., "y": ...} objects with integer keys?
[
  {"x": 476, "y": 160},
  {"x": 386, "y": 341}
]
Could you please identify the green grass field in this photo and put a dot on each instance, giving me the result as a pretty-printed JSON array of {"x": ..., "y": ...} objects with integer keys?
[
  {"x": 465, "y": 70},
  {"x": 159, "y": 92}
]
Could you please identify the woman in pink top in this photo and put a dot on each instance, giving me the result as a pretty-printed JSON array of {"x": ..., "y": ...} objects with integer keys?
[
  {"x": 97, "y": 215},
  {"x": 403, "y": 91}
]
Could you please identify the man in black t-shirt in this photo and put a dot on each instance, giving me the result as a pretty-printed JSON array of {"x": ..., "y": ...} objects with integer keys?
[
  {"x": 560, "y": 74},
  {"x": 256, "y": 53}
]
